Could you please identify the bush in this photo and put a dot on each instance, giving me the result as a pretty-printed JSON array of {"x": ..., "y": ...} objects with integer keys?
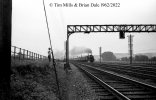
[
  {"x": 27, "y": 81},
  {"x": 108, "y": 56}
]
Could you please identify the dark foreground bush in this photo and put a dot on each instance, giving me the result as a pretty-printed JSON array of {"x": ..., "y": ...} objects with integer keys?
[{"x": 30, "y": 81}]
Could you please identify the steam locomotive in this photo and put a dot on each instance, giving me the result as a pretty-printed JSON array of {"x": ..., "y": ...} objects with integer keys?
[{"x": 88, "y": 58}]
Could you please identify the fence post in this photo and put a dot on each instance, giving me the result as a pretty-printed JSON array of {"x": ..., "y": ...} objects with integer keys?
[
  {"x": 14, "y": 51},
  {"x": 23, "y": 53},
  {"x": 30, "y": 55},
  {"x": 27, "y": 54},
  {"x": 19, "y": 54},
  {"x": 34, "y": 56},
  {"x": 38, "y": 56}
]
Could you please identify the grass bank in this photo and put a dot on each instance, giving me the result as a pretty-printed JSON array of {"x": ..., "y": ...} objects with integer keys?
[{"x": 32, "y": 80}]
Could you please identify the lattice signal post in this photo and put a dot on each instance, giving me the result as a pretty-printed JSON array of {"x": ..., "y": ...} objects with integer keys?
[{"x": 106, "y": 28}]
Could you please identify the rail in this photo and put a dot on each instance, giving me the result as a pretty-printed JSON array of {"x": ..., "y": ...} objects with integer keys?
[{"x": 127, "y": 62}]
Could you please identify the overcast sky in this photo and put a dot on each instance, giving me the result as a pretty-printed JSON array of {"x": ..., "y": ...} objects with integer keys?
[{"x": 29, "y": 29}]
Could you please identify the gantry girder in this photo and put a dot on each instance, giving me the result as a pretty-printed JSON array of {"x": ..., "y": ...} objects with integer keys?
[
  {"x": 122, "y": 28},
  {"x": 111, "y": 28}
]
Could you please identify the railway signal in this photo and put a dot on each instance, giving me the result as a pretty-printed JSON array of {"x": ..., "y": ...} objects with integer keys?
[{"x": 122, "y": 35}]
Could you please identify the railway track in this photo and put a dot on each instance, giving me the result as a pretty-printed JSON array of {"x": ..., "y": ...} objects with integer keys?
[
  {"x": 121, "y": 87},
  {"x": 146, "y": 65},
  {"x": 100, "y": 91},
  {"x": 134, "y": 71}
]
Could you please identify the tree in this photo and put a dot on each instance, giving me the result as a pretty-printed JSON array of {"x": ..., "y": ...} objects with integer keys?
[
  {"x": 108, "y": 56},
  {"x": 124, "y": 59},
  {"x": 141, "y": 58},
  {"x": 153, "y": 58}
]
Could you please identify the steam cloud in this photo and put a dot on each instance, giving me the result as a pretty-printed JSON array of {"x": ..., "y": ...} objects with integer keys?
[
  {"x": 80, "y": 50},
  {"x": 60, "y": 54}
]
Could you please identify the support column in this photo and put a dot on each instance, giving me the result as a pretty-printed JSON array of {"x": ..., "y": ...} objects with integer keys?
[{"x": 67, "y": 51}]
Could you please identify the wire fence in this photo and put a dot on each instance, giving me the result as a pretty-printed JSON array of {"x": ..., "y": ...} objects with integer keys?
[{"x": 23, "y": 54}]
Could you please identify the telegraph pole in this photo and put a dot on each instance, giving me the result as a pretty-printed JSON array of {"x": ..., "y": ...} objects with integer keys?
[
  {"x": 100, "y": 49},
  {"x": 5, "y": 48},
  {"x": 130, "y": 44}
]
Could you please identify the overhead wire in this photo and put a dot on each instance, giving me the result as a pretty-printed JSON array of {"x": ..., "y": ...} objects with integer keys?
[{"x": 54, "y": 63}]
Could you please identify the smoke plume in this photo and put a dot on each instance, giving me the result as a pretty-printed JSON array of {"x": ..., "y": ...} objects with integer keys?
[{"x": 79, "y": 50}]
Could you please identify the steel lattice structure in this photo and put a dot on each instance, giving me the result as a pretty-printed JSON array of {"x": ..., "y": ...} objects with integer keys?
[
  {"x": 106, "y": 28},
  {"x": 110, "y": 28}
]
